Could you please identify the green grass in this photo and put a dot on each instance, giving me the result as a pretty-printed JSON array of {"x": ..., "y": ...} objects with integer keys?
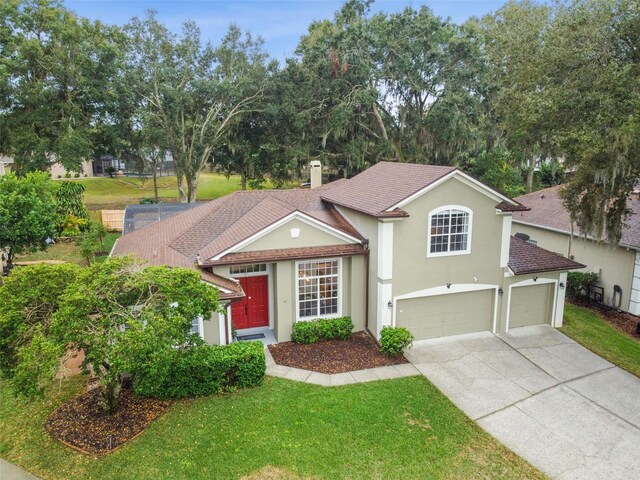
[
  {"x": 116, "y": 193},
  {"x": 589, "y": 329},
  {"x": 395, "y": 429},
  {"x": 68, "y": 252}
]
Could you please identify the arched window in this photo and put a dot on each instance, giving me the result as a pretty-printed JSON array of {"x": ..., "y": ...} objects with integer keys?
[{"x": 449, "y": 231}]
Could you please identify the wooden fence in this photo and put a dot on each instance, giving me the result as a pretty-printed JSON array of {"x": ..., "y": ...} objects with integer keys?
[{"x": 113, "y": 219}]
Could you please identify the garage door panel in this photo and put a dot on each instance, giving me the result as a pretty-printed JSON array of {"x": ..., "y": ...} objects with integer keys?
[
  {"x": 531, "y": 305},
  {"x": 449, "y": 314}
]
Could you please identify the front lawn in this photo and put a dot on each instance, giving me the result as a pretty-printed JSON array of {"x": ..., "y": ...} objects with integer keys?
[
  {"x": 394, "y": 429},
  {"x": 589, "y": 329}
]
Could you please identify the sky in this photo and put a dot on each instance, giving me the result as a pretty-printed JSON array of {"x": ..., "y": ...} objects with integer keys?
[{"x": 281, "y": 23}]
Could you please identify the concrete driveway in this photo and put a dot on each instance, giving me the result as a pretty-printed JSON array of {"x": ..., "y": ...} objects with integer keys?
[{"x": 566, "y": 410}]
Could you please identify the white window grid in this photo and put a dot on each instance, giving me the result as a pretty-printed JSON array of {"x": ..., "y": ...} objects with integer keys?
[
  {"x": 318, "y": 288},
  {"x": 253, "y": 268},
  {"x": 449, "y": 231}
]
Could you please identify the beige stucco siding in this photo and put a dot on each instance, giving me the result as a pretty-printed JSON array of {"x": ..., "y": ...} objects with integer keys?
[
  {"x": 58, "y": 171},
  {"x": 309, "y": 236},
  {"x": 448, "y": 314},
  {"x": 368, "y": 227},
  {"x": 615, "y": 265},
  {"x": 413, "y": 270}
]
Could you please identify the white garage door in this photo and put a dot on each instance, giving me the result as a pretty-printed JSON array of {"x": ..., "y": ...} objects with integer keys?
[
  {"x": 531, "y": 305},
  {"x": 450, "y": 314}
]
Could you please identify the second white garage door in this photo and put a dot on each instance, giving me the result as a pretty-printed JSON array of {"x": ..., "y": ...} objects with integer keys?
[
  {"x": 443, "y": 315},
  {"x": 531, "y": 305}
]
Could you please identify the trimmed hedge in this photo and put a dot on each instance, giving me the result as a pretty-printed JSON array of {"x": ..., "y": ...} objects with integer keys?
[
  {"x": 327, "y": 329},
  {"x": 202, "y": 370},
  {"x": 393, "y": 341}
]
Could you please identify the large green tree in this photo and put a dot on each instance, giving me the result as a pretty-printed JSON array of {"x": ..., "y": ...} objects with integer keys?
[
  {"x": 58, "y": 78},
  {"x": 121, "y": 313},
  {"x": 194, "y": 92},
  {"x": 27, "y": 213}
]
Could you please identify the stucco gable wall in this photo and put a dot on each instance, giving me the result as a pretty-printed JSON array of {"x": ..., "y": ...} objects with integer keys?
[
  {"x": 615, "y": 265},
  {"x": 413, "y": 270},
  {"x": 309, "y": 236}
]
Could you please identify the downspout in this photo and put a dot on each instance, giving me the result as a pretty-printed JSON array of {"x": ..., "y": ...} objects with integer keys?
[
  {"x": 366, "y": 302},
  {"x": 226, "y": 319}
]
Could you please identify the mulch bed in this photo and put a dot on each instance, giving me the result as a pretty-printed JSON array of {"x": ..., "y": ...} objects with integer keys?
[
  {"x": 334, "y": 356},
  {"x": 622, "y": 321},
  {"x": 81, "y": 424}
]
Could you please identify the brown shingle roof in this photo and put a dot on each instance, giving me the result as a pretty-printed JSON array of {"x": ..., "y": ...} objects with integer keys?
[
  {"x": 235, "y": 290},
  {"x": 382, "y": 186},
  {"x": 526, "y": 258},
  {"x": 547, "y": 210},
  {"x": 217, "y": 225},
  {"x": 289, "y": 254}
]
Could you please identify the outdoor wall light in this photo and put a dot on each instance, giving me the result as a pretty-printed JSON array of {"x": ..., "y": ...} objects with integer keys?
[
  {"x": 561, "y": 285},
  {"x": 500, "y": 291},
  {"x": 390, "y": 304},
  {"x": 448, "y": 285},
  {"x": 535, "y": 279}
]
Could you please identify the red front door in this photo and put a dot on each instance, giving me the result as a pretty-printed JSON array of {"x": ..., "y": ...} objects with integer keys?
[{"x": 253, "y": 310}]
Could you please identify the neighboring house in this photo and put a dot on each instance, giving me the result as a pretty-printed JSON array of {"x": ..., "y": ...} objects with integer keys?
[
  {"x": 424, "y": 247},
  {"x": 6, "y": 164},
  {"x": 56, "y": 170},
  {"x": 549, "y": 226}
]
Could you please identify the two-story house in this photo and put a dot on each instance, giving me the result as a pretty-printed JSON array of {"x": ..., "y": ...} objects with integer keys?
[{"x": 425, "y": 247}]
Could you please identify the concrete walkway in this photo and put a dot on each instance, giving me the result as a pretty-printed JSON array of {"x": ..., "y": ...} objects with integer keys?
[
  {"x": 9, "y": 471},
  {"x": 566, "y": 410},
  {"x": 337, "y": 379}
]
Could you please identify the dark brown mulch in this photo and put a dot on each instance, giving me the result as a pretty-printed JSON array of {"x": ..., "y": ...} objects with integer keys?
[
  {"x": 81, "y": 424},
  {"x": 334, "y": 356},
  {"x": 622, "y": 321}
]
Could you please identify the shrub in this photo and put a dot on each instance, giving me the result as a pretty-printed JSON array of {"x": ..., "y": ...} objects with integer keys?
[
  {"x": 201, "y": 370},
  {"x": 578, "y": 284},
  {"x": 393, "y": 341},
  {"x": 326, "y": 328},
  {"x": 77, "y": 174},
  {"x": 67, "y": 175},
  {"x": 72, "y": 226},
  {"x": 305, "y": 332},
  {"x": 148, "y": 201}
]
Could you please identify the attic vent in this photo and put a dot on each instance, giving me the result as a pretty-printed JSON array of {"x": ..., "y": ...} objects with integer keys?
[{"x": 522, "y": 236}]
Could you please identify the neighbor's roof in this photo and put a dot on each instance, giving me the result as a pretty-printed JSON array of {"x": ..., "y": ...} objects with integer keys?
[
  {"x": 548, "y": 211},
  {"x": 213, "y": 227},
  {"x": 526, "y": 258},
  {"x": 376, "y": 190}
]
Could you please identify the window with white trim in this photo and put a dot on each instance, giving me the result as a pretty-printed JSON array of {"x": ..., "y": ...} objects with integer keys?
[
  {"x": 196, "y": 326},
  {"x": 449, "y": 229},
  {"x": 318, "y": 288},
  {"x": 254, "y": 268}
]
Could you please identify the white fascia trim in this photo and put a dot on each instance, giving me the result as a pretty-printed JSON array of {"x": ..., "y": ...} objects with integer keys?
[
  {"x": 453, "y": 288},
  {"x": 527, "y": 283},
  {"x": 464, "y": 178},
  {"x": 113, "y": 247},
  {"x": 223, "y": 290},
  {"x": 300, "y": 216}
]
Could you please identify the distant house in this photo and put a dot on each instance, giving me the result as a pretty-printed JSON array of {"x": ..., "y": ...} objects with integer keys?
[
  {"x": 423, "y": 247},
  {"x": 6, "y": 164},
  {"x": 56, "y": 170},
  {"x": 548, "y": 225}
]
